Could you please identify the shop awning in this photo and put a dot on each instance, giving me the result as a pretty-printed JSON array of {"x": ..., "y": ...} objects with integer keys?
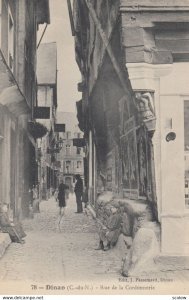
[{"x": 11, "y": 96}]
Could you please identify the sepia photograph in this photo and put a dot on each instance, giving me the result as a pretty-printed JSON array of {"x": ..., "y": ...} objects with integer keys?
[{"x": 94, "y": 148}]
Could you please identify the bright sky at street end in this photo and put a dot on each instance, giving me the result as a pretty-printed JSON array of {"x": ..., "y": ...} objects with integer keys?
[{"x": 59, "y": 31}]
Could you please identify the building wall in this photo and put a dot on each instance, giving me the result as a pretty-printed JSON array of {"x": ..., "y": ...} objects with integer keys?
[
  {"x": 47, "y": 182},
  {"x": 174, "y": 92},
  {"x": 26, "y": 49},
  {"x": 155, "y": 61},
  {"x": 72, "y": 160},
  {"x": 45, "y": 98},
  {"x": 109, "y": 105},
  {"x": 163, "y": 77},
  {"x": 132, "y": 106},
  {"x": 14, "y": 159},
  {"x": 17, "y": 97}
]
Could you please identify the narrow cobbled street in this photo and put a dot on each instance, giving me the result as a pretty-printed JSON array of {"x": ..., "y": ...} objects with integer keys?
[
  {"x": 52, "y": 254},
  {"x": 64, "y": 260}
]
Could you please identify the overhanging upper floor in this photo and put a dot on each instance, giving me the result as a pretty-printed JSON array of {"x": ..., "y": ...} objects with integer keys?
[{"x": 43, "y": 13}]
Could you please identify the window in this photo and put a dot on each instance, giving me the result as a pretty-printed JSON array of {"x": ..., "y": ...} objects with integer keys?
[
  {"x": 68, "y": 165},
  {"x": 10, "y": 40},
  {"x": 78, "y": 150},
  {"x": 68, "y": 150},
  {"x": 78, "y": 164}
]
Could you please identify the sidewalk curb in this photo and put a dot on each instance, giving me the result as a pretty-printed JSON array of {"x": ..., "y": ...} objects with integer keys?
[{"x": 5, "y": 241}]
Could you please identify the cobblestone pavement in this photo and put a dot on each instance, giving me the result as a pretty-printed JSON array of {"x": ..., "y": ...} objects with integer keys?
[{"x": 53, "y": 255}]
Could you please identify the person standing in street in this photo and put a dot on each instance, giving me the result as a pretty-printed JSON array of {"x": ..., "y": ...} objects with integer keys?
[
  {"x": 62, "y": 192},
  {"x": 78, "y": 193}
]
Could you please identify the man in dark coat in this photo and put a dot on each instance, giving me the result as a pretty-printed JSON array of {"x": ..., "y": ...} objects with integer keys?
[
  {"x": 78, "y": 193},
  {"x": 62, "y": 190}
]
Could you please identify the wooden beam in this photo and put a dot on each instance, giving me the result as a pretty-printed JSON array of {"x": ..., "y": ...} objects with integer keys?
[
  {"x": 71, "y": 17},
  {"x": 107, "y": 45}
]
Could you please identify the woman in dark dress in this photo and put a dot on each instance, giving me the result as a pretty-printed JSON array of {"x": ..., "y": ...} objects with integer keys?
[{"x": 62, "y": 191}]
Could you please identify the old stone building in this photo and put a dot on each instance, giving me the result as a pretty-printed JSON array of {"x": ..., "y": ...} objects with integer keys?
[
  {"x": 71, "y": 156},
  {"x": 134, "y": 57},
  {"x": 19, "y": 21},
  {"x": 47, "y": 104}
]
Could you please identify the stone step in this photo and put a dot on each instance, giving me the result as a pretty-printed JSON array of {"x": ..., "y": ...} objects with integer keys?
[
  {"x": 5, "y": 241},
  {"x": 172, "y": 263}
]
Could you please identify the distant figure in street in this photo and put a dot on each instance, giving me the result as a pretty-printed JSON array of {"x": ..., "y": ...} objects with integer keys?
[
  {"x": 13, "y": 228},
  {"x": 62, "y": 196},
  {"x": 35, "y": 200},
  {"x": 63, "y": 191},
  {"x": 78, "y": 193}
]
